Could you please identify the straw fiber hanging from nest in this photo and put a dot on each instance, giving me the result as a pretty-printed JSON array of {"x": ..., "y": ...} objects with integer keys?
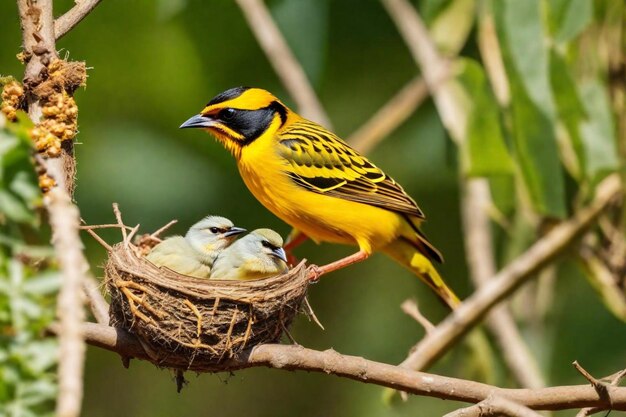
[{"x": 191, "y": 323}]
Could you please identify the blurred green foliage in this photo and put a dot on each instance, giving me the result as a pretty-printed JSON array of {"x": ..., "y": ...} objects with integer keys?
[
  {"x": 28, "y": 284},
  {"x": 155, "y": 63}
]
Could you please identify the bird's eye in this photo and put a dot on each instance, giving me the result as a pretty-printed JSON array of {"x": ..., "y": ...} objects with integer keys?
[
  {"x": 214, "y": 229},
  {"x": 266, "y": 244},
  {"x": 227, "y": 114}
]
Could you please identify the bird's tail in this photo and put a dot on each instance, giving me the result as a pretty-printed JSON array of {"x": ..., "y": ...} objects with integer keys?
[{"x": 415, "y": 254}]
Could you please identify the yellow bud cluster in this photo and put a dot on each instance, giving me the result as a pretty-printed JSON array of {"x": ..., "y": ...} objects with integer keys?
[
  {"x": 12, "y": 95},
  {"x": 46, "y": 183},
  {"x": 60, "y": 121}
]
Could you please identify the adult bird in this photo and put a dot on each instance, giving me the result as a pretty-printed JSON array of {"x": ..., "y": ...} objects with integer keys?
[
  {"x": 195, "y": 253},
  {"x": 313, "y": 180},
  {"x": 257, "y": 255}
]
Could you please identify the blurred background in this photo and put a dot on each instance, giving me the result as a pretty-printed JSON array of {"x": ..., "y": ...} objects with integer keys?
[{"x": 153, "y": 64}]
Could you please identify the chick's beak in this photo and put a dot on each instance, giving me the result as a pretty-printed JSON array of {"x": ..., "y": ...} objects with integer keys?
[
  {"x": 234, "y": 231},
  {"x": 280, "y": 254},
  {"x": 197, "y": 121}
]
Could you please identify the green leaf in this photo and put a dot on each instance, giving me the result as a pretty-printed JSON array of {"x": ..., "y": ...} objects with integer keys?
[
  {"x": 570, "y": 108},
  {"x": 569, "y": 18},
  {"x": 526, "y": 43},
  {"x": 484, "y": 150},
  {"x": 14, "y": 208},
  {"x": 520, "y": 237},
  {"x": 44, "y": 283},
  {"x": 430, "y": 9},
  {"x": 305, "y": 26},
  {"x": 537, "y": 153},
  {"x": 503, "y": 193},
  {"x": 598, "y": 131},
  {"x": 40, "y": 355},
  {"x": 452, "y": 26},
  {"x": 38, "y": 391},
  {"x": 19, "y": 192}
]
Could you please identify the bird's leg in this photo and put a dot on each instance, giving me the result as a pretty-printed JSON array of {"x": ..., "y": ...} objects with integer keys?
[
  {"x": 295, "y": 239},
  {"x": 318, "y": 271}
]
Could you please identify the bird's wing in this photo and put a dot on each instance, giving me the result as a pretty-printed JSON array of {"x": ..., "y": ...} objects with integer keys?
[{"x": 321, "y": 162}]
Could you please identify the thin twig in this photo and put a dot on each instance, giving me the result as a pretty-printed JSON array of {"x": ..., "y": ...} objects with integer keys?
[
  {"x": 99, "y": 239},
  {"x": 102, "y": 226},
  {"x": 98, "y": 305},
  {"x": 289, "y": 357},
  {"x": 389, "y": 116},
  {"x": 132, "y": 233},
  {"x": 155, "y": 234},
  {"x": 282, "y": 59},
  {"x": 411, "y": 309},
  {"x": 72, "y": 17},
  {"x": 495, "y": 406},
  {"x": 118, "y": 217},
  {"x": 615, "y": 380},
  {"x": 310, "y": 313},
  {"x": 511, "y": 277},
  {"x": 599, "y": 386}
]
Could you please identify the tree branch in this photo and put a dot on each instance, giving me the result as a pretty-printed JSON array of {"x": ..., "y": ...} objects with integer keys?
[
  {"x": 282, "y": 59},
  {"x": 64, "y": 220},
  {"x": 291, "y": 357},
  {"x": 615, "y": 380},
  {"x": 38, "y": 44},
  {"x": 72, "y": 17},
  {"x": 410, "y": 308},
  {"x": 495, "y": 406},
  {"x": 511, "y": 277},
  {"x": 39, "y": 49}
]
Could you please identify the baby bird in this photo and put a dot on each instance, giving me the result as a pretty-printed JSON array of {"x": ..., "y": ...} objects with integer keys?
[
  {"x": 195, "y": 253},
  {"x": 256, "y": 255}
]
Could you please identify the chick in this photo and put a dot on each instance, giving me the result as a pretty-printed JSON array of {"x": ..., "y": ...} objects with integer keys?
[
  {"x": 195, "y": 253},
  {"x": 256, "y": 255}
]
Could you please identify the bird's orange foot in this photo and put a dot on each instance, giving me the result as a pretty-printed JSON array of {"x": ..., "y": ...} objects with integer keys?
[{"x": 315, "y": 272}]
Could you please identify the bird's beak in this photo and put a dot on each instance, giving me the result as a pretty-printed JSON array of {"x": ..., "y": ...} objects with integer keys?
[
  {"x": 280, "y": 254},
  {"x": 197, "y": 121},
  {"x": 234, "y": 230}
]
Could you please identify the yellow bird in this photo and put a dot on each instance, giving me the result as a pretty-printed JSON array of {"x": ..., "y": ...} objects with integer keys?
[
  {"x": 313, "y": 180},
  {"x": 195, "y": 253},
  {"x": 257, "y": 255}
]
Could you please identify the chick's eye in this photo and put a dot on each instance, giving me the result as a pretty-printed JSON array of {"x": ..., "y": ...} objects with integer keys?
[
  {"x": 214, "y": 229},
  {"x": 227, "y": 114}
]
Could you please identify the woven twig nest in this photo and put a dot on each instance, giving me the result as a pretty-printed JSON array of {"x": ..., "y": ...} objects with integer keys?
[{"x": 189, "y": 323}]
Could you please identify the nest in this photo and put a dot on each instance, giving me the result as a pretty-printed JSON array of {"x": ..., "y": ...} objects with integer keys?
[{"x": 189, "y": 323}]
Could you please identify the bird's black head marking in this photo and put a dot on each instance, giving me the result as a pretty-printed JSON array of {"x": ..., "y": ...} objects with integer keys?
[{"x": 227, "y": 95}]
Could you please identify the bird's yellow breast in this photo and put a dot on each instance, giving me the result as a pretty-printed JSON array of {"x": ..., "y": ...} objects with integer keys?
[{"x": 321, "y": 217}]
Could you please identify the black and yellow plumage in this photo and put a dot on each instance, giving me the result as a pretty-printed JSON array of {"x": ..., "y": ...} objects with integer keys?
[{"x": 317, "y": 183}]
